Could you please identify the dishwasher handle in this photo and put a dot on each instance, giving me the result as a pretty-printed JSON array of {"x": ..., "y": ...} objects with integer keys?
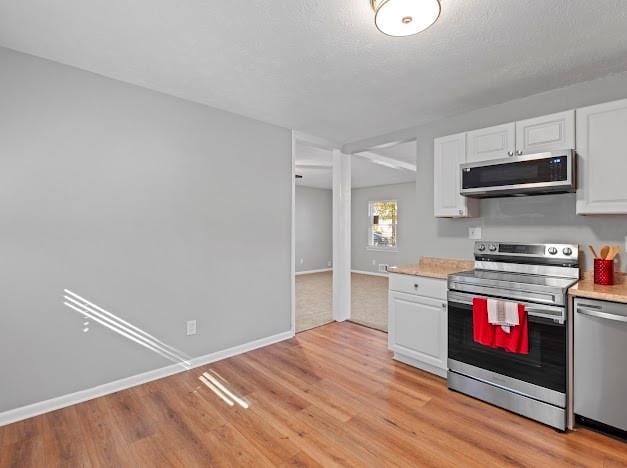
[{"x": 601, "y": 314}]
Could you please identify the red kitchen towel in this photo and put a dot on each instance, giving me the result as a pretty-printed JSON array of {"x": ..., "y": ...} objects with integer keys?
[
  {"x": 516, "y": 341},
  {"x": 482, "y": 331}
]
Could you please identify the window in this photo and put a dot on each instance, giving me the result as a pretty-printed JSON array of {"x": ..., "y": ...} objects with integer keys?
[{"x": 383, "y": 221}]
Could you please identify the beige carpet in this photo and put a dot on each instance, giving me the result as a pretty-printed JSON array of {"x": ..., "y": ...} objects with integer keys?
[
  {"x": 369, "y": 301},
  {"x": 313, "y": 300}
]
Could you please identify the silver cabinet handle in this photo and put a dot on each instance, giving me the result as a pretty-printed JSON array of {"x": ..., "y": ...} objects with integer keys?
[
  {"x": 416, "y": 285},
  {"x": 519, "y": 153},
  {"x": 603, "y": 315},
  {"x": 510, "y": 153}
]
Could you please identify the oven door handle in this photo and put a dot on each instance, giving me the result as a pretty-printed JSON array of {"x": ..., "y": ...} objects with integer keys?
[
  {"x": 603, "y": 315},
  {"x": 556, "y": 314}
]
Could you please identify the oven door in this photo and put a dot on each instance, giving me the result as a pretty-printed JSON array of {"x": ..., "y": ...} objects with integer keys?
[{"x": 541, "y": 374}]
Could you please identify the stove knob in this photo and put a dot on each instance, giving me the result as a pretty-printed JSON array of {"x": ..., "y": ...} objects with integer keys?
[
  {"x": 492, "y": 248},
  {"x": 481, "y": 247},
  {"x": 567, "y": 251},
  {"x": 552, "y": 250}
]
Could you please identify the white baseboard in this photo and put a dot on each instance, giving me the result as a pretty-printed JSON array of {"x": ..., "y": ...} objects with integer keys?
[
  {"x": 371, "y": 273},
  {"x": 309, "y": 272},
  {"x": 53, "y": 404}
]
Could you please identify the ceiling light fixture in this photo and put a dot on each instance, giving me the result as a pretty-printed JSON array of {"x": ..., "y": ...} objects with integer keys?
[{"x": 404, "y": 17}]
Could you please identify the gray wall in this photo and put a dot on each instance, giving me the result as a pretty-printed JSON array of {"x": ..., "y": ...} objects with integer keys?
[
  {"x": 157, "y": 209},
  {"x": 407, "y": 252},
  {"x": 314, "y": 228},
  {"x": 533, "y": 219}
]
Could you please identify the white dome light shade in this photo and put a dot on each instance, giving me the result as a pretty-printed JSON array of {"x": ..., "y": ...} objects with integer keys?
[{"x": 404, "y": 17}]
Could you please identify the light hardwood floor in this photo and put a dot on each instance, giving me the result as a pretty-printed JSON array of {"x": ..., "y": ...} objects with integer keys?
[{"x": 331, "y": 396}]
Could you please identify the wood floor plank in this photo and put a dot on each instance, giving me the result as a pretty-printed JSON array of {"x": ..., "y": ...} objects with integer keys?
[
  {"x": 20, "y": 431},
  {"x": 301, "y": 460},
  {"x": 273, "y": 444},
  {"x": 364, "y": 450},
  {"x": 154, "y": 451},
  {"x": 233, "y": 450},
  {"x": 319, "y": 445},
  {"x": 332, "y": 396},
  {"x": 127, "y": 410},
  {"x": 28, "y": 452},
  {"x": 111, "y": 430},
  {"x": 284, "y": 397},
  {"x": 311, "y": 392}
]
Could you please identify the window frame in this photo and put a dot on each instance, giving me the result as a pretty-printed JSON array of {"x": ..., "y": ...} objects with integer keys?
[{"x": 369, "y": 234}]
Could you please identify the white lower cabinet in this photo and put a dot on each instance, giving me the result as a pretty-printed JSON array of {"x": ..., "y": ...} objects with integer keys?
[{"x": 417, "y": 328}]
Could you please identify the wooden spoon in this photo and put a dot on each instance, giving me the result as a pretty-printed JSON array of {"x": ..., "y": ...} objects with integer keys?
[
  {"x": 593, "y": 252},
  {"x": 614, "y": 251},
  {"x": 605, "y": 251}
]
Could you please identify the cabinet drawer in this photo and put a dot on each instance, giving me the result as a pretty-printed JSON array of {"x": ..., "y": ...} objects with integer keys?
[{"x": 419, "y": 285}]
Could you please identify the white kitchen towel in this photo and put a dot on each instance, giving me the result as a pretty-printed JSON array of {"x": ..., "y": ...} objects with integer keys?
[{"x": 503, "y": 313}]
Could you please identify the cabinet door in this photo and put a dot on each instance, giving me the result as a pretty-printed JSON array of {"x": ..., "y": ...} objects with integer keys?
[
  {"x": 448, "y": 153},
  {"x": 602, "y": 165},
  {"x": 547, "y": 133},
  {"x": 491, "y": 143},
  {"x": 417, "y": 328}
]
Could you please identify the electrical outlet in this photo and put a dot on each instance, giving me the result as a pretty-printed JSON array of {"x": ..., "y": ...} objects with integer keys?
[
  {"x": 474, "y": 233},
  {"x": 191, "y": 327},
  {"x": 383, "y": 267},
  {"x": 301, "y": 261},
  {"x": 329, "y": 264},
  {"x": 374, "y": 262}
]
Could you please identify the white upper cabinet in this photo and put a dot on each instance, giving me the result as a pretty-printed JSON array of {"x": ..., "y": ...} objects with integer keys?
[
  {"x": 491, "y": 143},
  {"x": 598, "y": 133},
  {"x": 547, "y": 133},
  {"x": 602, "y": 151},
  {"x": 449, "y": 152}
]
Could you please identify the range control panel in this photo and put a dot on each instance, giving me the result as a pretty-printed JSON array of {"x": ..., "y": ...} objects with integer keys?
[{"x": 515, "y": 249}]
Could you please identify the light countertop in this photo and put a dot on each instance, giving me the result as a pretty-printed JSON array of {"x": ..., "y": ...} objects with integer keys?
[
  {"x": 433, "y": 267},
  {"x": 614, "y": 293}
]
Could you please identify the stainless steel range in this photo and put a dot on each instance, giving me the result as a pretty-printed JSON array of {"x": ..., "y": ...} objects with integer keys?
[{"x": 537, "y": 276}]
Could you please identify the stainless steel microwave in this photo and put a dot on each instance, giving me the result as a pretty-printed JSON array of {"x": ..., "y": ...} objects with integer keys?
[{"x": 531, "y": 174}]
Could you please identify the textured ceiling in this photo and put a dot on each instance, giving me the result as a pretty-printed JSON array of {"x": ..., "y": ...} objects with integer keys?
[{"x": 320, "y": 66}]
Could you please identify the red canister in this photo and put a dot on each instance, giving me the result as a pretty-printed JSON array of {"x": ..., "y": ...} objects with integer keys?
[{"x": 603, "y": 271}]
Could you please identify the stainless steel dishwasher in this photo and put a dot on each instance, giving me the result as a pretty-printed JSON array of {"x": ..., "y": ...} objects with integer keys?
[{"x": 600, "y": 354}]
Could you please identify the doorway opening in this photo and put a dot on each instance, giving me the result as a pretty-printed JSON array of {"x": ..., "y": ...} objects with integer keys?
[
  {"x": 383, "y": 205},
  {"x": 313, "y": 235}
]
